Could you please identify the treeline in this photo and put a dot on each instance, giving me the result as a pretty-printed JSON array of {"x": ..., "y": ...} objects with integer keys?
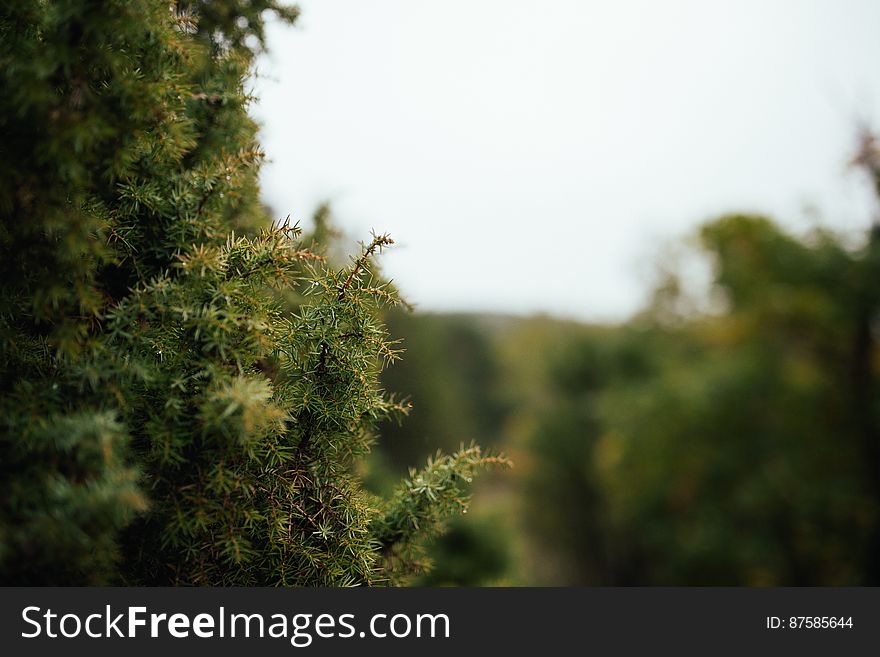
[{"x": 737, "y": 446}]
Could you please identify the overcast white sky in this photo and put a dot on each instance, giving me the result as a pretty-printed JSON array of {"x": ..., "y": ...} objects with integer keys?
[{"x": 535, "y": 156}]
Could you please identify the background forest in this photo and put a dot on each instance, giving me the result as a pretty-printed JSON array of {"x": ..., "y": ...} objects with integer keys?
[
  {"x": 726, "y": 437},
  {"x": 735, "y": 447}
]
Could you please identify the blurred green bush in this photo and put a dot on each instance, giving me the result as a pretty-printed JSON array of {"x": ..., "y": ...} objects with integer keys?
[{"x": 735, "y": 446}]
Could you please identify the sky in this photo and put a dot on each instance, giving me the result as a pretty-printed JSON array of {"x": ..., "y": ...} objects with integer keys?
[{"x": 540, "y": 157}]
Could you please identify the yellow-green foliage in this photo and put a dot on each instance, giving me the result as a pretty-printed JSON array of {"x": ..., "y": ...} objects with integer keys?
[{"x": 165, "y": 418}]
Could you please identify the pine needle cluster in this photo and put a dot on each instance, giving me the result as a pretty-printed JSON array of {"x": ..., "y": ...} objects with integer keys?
[{"x": 166, "y": 417}]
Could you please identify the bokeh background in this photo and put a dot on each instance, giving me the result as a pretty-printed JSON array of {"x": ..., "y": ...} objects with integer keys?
[{"x": 641, "y": 243}]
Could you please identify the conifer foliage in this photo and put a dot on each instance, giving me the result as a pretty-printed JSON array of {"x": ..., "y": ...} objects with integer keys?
[{"x": 166, "y": 415}]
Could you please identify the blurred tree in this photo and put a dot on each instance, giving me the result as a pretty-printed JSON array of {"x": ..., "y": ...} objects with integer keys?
[
  {"x": 737, "y": 448},
  {"x": 451, "y": 376},
  {"x": 163, "y": 418},
  {"x": 866, "y": 389},
  {"x": 565, "y": 505},
  {"x": 475, "y": 550}
]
